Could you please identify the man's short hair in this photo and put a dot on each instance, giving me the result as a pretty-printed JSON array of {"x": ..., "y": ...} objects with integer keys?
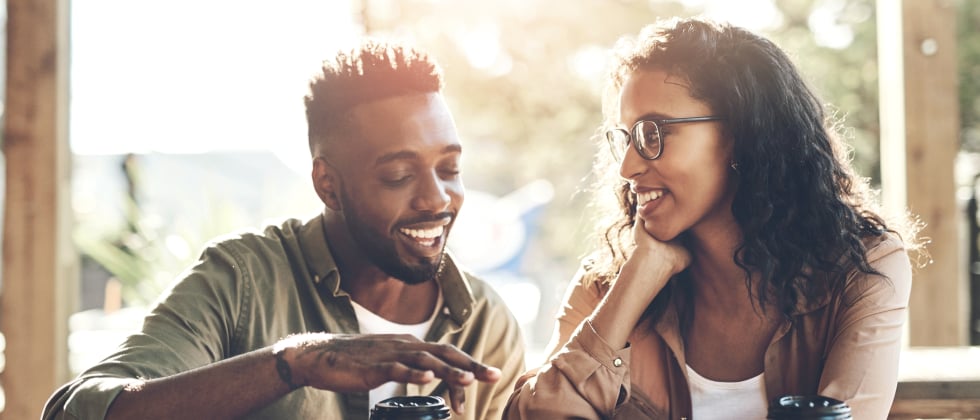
[{"x": 371, "y": 71}]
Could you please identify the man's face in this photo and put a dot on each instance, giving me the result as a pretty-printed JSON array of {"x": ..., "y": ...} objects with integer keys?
[{"x": 400, "y": 182}]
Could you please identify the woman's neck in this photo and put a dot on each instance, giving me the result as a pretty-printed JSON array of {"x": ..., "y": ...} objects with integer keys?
[{"x": 715, "y": 277}]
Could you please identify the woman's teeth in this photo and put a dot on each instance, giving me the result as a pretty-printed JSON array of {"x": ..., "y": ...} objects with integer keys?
[{"x": 648, "y": 196}]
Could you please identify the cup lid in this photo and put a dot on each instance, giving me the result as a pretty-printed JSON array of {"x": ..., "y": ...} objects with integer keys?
[
  {"x": 433, "y": 406},
  {"x": 816, "y": 404}
]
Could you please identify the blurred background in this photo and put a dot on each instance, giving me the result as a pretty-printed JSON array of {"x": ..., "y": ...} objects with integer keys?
[{"x": 187, "y": 122}]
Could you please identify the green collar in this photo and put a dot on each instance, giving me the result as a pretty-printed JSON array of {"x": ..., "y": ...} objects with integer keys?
[{"x": 456, "y": 291}]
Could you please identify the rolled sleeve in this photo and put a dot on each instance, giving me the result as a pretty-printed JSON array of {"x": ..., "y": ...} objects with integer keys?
[
  {"x": 597, "y": 371},
  {"x": 586, "y": 379},
  {"x": 190, "y": 327},
  {"x": 86, "y": 398}
]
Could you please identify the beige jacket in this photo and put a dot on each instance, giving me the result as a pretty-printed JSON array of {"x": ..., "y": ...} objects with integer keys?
[{"x": 844, "y": 346}]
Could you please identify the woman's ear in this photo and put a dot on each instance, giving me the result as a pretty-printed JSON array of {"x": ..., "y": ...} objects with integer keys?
[{"x": 326, "y": 182}]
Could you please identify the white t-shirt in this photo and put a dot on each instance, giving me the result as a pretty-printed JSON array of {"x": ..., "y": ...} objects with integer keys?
[
  {"x": 727, "y": 400},
  {"x": 371, "y": 323}
]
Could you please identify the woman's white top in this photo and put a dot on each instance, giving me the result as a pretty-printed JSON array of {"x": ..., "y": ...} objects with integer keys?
[
  {"x": 371, "y": 323},
  {"x": 727, "y": 400}
]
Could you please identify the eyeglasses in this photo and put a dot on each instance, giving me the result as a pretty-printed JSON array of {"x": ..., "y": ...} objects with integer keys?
[{"x": 646, "y": 136}]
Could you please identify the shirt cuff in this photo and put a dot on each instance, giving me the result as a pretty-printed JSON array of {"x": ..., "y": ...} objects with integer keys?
[
  {"x": 93, "y": 396},
  {"x": 591, "y": 342},
  {"x": 597, "y": 371}
]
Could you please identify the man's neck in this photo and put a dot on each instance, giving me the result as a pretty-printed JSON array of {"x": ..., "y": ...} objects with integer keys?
[
  {"x": 372, "y": 288},
  {"x": 395, "y": 300}
]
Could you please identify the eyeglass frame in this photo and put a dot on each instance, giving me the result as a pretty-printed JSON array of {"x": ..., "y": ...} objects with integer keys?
[{"x": 632, "y": 138}]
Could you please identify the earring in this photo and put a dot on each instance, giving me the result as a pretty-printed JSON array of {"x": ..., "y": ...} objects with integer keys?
[{"x": 734, "y": 166}]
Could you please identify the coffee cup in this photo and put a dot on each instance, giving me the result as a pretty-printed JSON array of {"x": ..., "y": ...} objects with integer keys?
[
  {"x": 417, "y": 407},
  {"x": 808, "y": 407}
]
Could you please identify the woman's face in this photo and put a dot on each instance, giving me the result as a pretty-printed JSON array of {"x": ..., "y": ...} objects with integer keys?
[{"x": 691, "y": 185}]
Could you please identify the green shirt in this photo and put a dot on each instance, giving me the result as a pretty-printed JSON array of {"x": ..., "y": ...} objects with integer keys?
[{"x": 247, "y": 292}]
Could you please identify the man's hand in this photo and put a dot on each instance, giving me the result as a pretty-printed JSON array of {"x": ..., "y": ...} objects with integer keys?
[{"x": 352, "y": 363}]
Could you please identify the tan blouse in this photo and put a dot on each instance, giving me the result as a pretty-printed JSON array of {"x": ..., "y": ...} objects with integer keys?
[{"x": 845, "y": 346}]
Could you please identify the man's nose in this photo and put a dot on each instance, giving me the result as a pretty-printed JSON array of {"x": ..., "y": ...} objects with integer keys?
[{"x": 432, "y": 195}]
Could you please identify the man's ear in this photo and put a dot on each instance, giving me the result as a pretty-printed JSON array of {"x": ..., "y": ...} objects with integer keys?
[{"x": 326, "y": 182}]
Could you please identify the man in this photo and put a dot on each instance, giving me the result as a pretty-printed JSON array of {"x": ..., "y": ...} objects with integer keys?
[{"x": 291, "y": 322}]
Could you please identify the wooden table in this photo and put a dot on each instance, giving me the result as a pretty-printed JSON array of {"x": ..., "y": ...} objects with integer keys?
[{"x": 938, "y": 383}]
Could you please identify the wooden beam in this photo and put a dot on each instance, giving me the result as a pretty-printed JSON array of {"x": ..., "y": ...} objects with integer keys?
[
  {"x": 919, "y": 142},
  {"x": 37, "y": 257}
]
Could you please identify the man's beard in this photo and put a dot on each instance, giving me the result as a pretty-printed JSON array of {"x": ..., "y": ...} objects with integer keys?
[{"x": 380, "y": 249}]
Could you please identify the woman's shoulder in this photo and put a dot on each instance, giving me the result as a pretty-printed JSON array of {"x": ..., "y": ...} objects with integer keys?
[
  {"x": 892, "y": 281},
  {"x": 880, "y": 246}
]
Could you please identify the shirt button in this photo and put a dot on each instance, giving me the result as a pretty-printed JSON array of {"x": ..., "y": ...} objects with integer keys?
[{"x": 617, "y": 362}]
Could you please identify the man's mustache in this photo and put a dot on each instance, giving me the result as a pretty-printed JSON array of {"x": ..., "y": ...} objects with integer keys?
[{"x": 438, "y": 217}]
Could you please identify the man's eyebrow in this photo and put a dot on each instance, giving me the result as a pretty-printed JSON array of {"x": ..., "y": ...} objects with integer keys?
[
  {"x": 388, "y": 157},
  {"x": 452, "y": 148},
  {"x": 409, "y": 154}
]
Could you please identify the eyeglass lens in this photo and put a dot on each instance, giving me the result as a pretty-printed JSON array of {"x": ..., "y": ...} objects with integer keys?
[
  {"x": 648, "y": 135},
  {"x": 645, "y": 133}
]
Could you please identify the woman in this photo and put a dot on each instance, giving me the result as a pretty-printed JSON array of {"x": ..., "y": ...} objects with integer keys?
[{"x": 745, "y": 260}]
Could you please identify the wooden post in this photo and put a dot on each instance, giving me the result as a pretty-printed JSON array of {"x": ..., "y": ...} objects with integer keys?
[
  {"x": 37, "y": 257},
  {"x": 919, "y": 142}
]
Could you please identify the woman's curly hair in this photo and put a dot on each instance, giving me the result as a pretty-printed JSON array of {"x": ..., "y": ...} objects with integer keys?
[{"x": 801, "y": 209}]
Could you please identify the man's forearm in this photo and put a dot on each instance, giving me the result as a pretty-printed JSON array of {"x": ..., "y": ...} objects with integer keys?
[{"x": 227, "y": 389}]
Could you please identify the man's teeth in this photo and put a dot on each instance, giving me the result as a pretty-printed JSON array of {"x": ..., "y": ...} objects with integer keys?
[
  {"x": 424, "y": 234},
  {"x": 648, "y": 196}
]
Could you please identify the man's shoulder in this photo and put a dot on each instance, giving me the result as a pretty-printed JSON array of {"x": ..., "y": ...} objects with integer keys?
[
  {"x": 485, "y": 290},
  {"x": 266, "y": 259},
  {"x": 478, "y": 287},
  {"x": 487, "y": 297},
  {"x": 271, "y": 237},
  {"x": 259, "y": 250}
]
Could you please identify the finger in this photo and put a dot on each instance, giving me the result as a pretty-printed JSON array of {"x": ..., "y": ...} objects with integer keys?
[
  {"x": 639, "y": 231},
  {"x": 397, "y": 372},
  {"x": 424, "y": 360},
  {"x": 483, "y": 372},
  {"x": 490, "y": 374},
  {"x": 457, "y": 358},
  {"x": 406, "y": 338},
  {"x": 457, "y": 397}
]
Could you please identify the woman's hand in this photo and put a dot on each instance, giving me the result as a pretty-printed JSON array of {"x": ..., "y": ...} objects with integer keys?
[
  {"x": 657, "y": 255},
  {"x": 640, "y": 279}
]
